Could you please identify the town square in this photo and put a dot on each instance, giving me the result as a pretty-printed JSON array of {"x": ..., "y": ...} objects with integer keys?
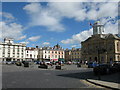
[{"x": 60, "y": 45}]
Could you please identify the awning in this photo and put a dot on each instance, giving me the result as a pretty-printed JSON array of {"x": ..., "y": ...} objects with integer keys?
[
  {"x": 61, "y": 59},
  {"x": 54, "y": 59}
]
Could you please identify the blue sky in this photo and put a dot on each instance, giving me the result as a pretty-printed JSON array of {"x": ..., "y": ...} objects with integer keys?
[{"x": 46, "y": 24}]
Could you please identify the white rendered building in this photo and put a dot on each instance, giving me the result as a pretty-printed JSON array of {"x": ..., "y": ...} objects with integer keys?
[
  {"x": 10, "y": 51},
  {"x": 31, "y": 53}
]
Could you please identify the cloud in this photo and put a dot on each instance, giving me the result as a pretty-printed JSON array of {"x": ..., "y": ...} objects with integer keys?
[
  {"x": 44, "y": 17},
  {"x": 77, "y": 38},
  {"x": 12, "y": 30},
  {"x": 108, "y": 10},
  {"x": 87, "y": 10},
  {"x": 9, "y": 28},
  {"x": 74, "y": 46},
  {"x": 46, "y": 43},
  {"x": 7, "y": 15},
  {"x": 22, "y": 37},
  {"x": 68, "y": 9},
  {"x": 24, "y": 42},
  {"x": 52, "y": 14},
  {"x": 111, "y": 28},
  {"x": 34, "y": 38}
]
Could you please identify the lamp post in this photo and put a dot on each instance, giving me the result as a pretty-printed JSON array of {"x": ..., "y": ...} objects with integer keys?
[
  {"x": 100, "y": 51},
  {"x": 98, "y": 56},
  {"x": 99, "y": 77}
]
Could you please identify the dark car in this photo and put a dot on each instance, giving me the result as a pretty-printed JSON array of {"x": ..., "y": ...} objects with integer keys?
[
  {"x": 103, "y": 69},
  {"x": 43, "y": 65},
  {"x": 92, "y": 64},
  {"x": 116, "y": 67},
  {"x": 26, "y": 64}
]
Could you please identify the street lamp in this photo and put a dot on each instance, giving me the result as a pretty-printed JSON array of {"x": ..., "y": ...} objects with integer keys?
[{"x": 100, "y": 51}]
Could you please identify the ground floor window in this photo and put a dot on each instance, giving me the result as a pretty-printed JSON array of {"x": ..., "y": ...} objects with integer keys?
[
  {"x": 102, "y": 59},
  {"x": 96, "y": 59},
  {"x": 8, "y": 59},
  {"x": 118, "y": 58},
  {"x": 18, "y": 59}
]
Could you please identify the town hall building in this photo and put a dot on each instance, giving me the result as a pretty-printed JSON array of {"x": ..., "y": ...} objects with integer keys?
[{"x": 102, "y": 48}]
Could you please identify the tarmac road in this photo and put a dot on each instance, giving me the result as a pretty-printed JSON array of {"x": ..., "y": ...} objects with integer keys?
[{"x": 33, "y": 77}]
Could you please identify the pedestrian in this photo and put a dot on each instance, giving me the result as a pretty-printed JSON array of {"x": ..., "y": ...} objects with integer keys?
[
  {"x": 111, "y": 62},
  {"x": 86, "y": 62}
]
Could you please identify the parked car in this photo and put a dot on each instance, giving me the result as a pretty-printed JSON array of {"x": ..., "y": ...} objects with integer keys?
[
  {"x": 18, "y": 63},
  {"x": 26, "y": 64},
  {"x": 43, "y": 66},
  {"x": 116, "y": 67},
  {"x": 48, "y": 62},
  {"x": 9, "y": 62},
  {"x": 74, "y": 62},
  {"x": 37, "y": 62},
  {"x": 92, "y": 64},
  {"x": 13, "y": 62},
  {"x": 69, "y": 62},
  {"x": 103, "y": 69}
]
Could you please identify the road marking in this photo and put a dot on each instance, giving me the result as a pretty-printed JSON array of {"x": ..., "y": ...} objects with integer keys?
[{"x": 90, "y": 85}]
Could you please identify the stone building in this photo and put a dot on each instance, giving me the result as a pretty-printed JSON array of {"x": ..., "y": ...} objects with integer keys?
[
  {"x": 10, "y": 51},
  {"x": 67, "y": 55},
  {"x": 73, "y": 54},
  {"x": 100, "y": 47}
]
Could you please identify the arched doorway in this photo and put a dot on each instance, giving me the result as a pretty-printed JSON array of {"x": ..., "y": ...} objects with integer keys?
[{"x": 96, "y": 59}]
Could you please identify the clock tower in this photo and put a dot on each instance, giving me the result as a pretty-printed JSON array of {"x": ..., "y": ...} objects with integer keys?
[{"x": 98, "y": 28}]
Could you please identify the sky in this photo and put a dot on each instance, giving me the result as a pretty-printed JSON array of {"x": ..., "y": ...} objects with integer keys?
[{"x": 48, "y": 23}]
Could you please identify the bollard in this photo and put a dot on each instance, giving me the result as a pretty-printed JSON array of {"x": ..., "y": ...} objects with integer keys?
[{"x": 58, "y": 67}]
